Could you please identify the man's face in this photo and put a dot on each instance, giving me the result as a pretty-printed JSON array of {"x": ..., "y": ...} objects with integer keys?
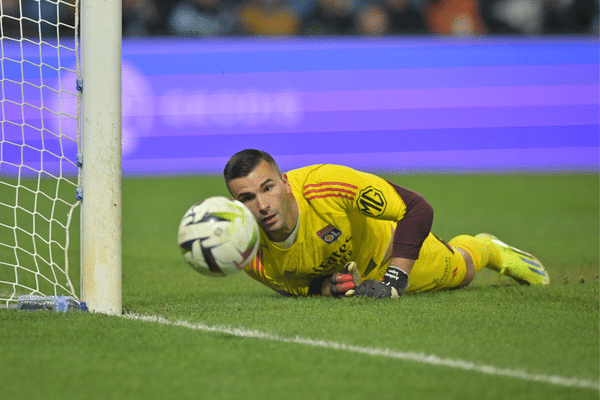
[{"x": 268, "y": 195}]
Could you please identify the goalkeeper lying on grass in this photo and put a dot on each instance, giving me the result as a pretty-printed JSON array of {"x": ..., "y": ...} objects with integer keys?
[{"x": 334, "y": 231}]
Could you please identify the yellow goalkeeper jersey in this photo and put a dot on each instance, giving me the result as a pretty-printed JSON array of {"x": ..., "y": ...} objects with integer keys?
[{"x": 345, "y": 215}]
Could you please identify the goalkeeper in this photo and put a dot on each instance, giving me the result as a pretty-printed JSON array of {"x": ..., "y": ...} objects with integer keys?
[{"x": 333, "y": 231}]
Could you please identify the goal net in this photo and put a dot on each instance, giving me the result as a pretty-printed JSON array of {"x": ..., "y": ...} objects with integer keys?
[{"x": 39, "y": 176}]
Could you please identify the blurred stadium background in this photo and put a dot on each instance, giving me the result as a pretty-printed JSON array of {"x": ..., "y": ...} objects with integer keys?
[{"x": 383, "y": 85}]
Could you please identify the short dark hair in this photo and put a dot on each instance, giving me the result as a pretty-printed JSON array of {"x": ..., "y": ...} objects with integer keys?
[{"x": 242, "y": 163}]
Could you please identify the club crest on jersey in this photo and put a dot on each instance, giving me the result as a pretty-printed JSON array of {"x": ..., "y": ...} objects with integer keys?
[
  {"x": 371, "y": 201},
  {"x": 329, "y": 234}
]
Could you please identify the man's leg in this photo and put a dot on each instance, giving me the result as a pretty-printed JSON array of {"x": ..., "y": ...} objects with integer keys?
[
  {"x": 486, "y": 250},
  {"x": 439, "y": 267},
  {"x": 470, "y": 274}
]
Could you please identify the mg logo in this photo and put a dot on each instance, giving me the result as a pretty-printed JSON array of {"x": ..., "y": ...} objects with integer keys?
[{"x": 371, "y": 201}]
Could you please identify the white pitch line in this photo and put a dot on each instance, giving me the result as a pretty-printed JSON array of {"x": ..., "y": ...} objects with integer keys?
[{"x": 430, "y": 359}]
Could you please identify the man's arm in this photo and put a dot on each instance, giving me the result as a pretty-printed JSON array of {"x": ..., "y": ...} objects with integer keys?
[
  {"x": 413, "y": 228},
  {"x": 411, "y": 231}
]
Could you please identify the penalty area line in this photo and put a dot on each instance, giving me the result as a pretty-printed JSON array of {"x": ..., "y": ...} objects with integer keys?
[{"x": 429, "y": 359}]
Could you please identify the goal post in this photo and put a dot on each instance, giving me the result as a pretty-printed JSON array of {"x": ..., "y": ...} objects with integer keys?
[{"x": 101, "y": 155}]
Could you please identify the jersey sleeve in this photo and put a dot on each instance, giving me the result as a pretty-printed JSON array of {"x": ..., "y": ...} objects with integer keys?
[
  {"x": 354, "y": 191},
  {"x": 412, "y": 230}
]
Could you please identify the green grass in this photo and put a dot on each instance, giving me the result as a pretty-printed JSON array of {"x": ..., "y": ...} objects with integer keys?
[{"x": 537, "y": 330}]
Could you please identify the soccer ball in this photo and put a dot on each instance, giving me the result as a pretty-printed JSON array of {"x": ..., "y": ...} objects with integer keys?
[{"x": 218, "y": 236}]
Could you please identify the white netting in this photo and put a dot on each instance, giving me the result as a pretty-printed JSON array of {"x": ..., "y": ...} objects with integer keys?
[{"x": 39, "y": 145}]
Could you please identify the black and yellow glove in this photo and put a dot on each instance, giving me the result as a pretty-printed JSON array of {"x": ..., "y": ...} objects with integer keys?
[{"x": 394, "y": 284}]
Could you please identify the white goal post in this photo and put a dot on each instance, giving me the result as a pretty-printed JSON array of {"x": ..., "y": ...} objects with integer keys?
[
  {"x": 101, "y": 155},
  {"x": 60, "y": 94}
]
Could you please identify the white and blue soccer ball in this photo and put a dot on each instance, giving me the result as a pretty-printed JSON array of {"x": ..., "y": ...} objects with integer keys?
[{"x": 218, "y": 236}]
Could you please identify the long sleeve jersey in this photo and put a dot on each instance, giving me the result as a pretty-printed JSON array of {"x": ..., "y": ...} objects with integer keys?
[{"x": 345, "y": 215}]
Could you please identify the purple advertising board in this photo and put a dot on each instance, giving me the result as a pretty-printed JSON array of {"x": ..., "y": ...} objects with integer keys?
[{"x": 398, "y": 105}]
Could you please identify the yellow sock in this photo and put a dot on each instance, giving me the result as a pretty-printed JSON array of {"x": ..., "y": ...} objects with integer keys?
[
  {"x": 482, "y": 251},
  {"x": 495, "y": 259}
]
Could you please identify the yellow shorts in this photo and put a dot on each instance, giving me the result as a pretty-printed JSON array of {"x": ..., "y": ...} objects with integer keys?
[{"x": 437, "y": 268}]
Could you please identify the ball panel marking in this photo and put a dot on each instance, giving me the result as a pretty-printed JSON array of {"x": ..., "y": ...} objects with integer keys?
[{"x": 218, "y": 236}]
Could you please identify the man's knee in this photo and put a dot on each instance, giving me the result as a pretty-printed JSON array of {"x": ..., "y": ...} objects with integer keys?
[{"x": 470, "y": 275}]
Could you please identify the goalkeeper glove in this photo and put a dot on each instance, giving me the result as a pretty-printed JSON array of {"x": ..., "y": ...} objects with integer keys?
[
  {"x": 343, "y": 284},
  {"x": 394, "y": 284}
]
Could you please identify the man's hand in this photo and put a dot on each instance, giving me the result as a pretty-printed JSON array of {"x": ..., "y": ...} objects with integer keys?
[
  {"x": 343, "y": 284},
  {"x": 376, "y": 290},
  {"x": 394, "y": 283}
]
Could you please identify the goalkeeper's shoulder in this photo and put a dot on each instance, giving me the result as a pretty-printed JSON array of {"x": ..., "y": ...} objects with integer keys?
[{"x": 320, "y": 173}]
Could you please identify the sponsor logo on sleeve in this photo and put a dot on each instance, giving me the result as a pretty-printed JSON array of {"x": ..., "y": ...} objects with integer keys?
[{"x": 371, "y": 201}]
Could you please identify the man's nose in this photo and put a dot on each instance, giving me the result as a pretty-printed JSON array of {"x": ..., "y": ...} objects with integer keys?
[{"x": 263, "y": 205}]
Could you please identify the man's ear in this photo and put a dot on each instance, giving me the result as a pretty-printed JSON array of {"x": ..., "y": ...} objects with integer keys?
[{"x": 286, "y": 182}]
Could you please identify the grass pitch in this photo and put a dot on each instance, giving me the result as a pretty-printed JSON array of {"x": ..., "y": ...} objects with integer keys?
[{"x": 493, "y": 340}]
